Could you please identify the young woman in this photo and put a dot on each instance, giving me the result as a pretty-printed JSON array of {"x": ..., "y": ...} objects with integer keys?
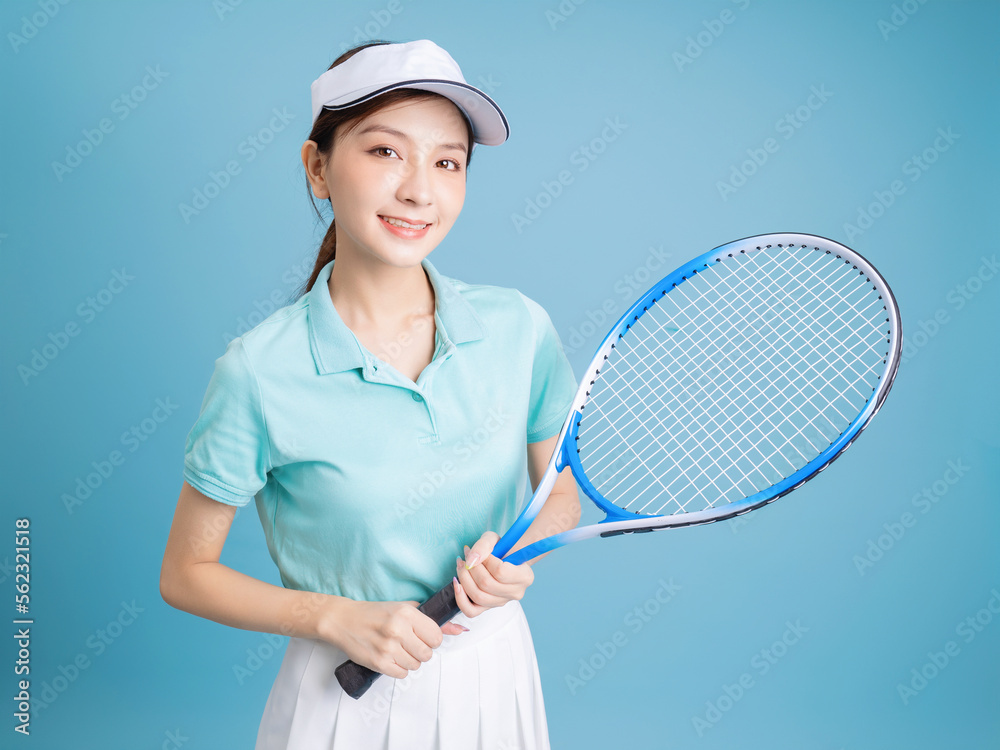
[{"x": 385, "y": 423}]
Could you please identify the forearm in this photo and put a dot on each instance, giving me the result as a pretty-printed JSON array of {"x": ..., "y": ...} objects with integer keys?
[{"x": 219, "y": 593}]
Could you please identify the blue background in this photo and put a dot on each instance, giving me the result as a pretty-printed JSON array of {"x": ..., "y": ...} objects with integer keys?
[{"x": 693, "y": 99}]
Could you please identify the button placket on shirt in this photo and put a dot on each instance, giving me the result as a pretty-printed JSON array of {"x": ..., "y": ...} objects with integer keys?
[
  {"x": 422, "y": 395},
  {"x": 419, "y": 391}
]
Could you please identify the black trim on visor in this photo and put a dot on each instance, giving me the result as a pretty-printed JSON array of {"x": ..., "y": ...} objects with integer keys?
[{"x": 403, "y": 85}]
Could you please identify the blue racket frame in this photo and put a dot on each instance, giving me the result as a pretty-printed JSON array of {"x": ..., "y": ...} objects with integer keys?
[{"x": 618, "y": 521}]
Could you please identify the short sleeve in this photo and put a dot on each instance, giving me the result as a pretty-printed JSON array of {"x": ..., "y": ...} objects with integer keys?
[
  {"x": 227, "y": 454},
  {"x": 553, "y": 384}
]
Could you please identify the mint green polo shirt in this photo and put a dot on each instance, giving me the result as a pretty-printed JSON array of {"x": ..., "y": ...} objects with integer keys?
[{"x": 368, "y": 484}]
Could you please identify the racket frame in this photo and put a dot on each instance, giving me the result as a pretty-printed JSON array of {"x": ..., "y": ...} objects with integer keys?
[{"x": 619, "y": 521}]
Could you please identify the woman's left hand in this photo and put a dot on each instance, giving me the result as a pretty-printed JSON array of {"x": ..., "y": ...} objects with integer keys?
[{"x": 485, "y": 581}]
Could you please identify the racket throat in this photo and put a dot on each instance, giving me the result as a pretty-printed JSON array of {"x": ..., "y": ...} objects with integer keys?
[
  {"x": 557, "y": 463},
  {"x": 516, "y": 531}
]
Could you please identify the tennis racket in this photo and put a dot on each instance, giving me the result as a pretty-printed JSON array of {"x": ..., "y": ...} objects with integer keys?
[{"x": 732, "y": 382}]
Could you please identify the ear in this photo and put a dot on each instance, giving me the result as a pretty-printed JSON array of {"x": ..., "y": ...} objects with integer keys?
[{"x": 315, "y": 164}]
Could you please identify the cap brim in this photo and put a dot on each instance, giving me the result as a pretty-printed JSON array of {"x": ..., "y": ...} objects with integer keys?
[{"x": 489, "y": 126}]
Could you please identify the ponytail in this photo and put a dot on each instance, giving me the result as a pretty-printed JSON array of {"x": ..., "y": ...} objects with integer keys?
[{"x": 327, "y": 252}]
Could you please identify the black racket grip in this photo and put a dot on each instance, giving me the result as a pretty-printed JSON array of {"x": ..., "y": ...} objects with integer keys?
[{"x": 356, "y": 679}]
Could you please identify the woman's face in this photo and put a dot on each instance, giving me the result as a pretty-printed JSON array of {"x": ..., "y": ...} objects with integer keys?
[{"x": 396, "y": 181}]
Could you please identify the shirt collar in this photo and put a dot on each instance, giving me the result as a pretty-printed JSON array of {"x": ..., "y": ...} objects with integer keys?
[{"x": 336, "y": 349}]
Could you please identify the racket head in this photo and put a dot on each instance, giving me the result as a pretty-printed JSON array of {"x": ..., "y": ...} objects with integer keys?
[{"x": 739, "y": 306}]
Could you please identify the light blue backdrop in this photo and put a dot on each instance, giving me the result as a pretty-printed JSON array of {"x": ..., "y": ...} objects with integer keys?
[{"x": 822, "y": 622}]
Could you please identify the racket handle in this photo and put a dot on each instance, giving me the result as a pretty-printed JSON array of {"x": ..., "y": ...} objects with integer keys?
[
  {"x": 442, "y": 606},
  {"x": 356, "y": 679}
]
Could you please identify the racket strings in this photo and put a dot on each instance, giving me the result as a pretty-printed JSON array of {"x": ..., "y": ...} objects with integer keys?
[
  {"x": 672, "y": 413},
  {"x": 800, "y": 410},
  {"x": 820, "y": 300},
  {"x": 813, "y": 349},
  {"x": 687, "y": 449},
  {"x": 812, "y": 448},
  {"x": 664, "y": 387},
  {"x": 732, "y": 381}
]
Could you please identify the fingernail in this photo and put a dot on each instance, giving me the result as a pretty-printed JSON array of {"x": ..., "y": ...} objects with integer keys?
[
  {"x": 471, "y": 561},
  {"x": 464, "y": 629}
]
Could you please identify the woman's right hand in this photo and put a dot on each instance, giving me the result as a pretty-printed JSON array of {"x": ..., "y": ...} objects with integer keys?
[{"x": 393, "y": 638}]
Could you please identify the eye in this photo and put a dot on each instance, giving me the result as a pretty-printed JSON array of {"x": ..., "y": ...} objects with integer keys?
[
  {"x": 451, "y": 165},
  {"x": 385, "y": 151}
]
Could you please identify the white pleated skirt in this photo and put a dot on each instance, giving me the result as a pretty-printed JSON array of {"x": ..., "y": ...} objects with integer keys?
[{"x": 480, "y": 690}]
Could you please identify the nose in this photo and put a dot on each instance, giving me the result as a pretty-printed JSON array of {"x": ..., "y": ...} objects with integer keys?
[{"x": 415, "y": 184}]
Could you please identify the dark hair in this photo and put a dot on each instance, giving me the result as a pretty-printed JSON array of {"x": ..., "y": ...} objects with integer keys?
[{"x": 323, "y": 132}]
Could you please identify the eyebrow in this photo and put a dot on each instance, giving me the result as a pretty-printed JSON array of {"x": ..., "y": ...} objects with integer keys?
[{"x": 400, "y": 134}]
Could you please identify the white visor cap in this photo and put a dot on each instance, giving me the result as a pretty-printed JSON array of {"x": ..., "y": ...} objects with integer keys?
[{"x": 413, "y": 65}]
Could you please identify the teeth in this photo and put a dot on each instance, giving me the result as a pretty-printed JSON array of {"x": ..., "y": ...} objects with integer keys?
[{"x": 401, "y": 223}]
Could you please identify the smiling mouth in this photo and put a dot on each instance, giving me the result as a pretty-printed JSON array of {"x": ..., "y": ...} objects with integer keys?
[{"x": 401, "y": 223}]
